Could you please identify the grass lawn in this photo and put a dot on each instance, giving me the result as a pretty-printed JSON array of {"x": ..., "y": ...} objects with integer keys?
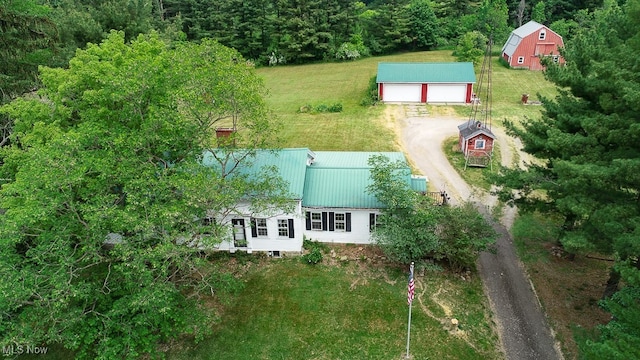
[
  {"x": 359, "y": 128},
  {"x": 354, "y": 309}
]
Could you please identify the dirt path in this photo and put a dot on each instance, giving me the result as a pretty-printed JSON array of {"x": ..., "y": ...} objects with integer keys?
[{"x": 521, "y": 323}]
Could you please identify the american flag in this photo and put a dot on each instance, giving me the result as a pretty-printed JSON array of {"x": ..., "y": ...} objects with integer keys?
[{"x": 412, "y": 287}]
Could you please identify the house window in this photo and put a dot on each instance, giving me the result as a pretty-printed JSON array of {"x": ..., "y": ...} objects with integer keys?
[
  {"x": 374, "y": 221},
  {"x": 542, "y": 35},
  {"x": 316, "y": 221},
  {"x": 340, "y": 222},
  {"x": 208, "y": 224},
  {"x": 285, "y": 228},
  {"x": 556, "y": 58},
  {"x": 479, "y": 144},
  {"x": 520, "y": 59},
  {"x": 261, "y": 227}
]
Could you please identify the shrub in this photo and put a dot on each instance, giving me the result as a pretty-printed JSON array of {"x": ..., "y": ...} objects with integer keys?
[
  {"x": 371, "y": 94},
  {"x": 313, "y": 257},
  {"x": 322, "y": 108},
  {"x": 305, "y": 109},
  {"x": 316, "y": 249},
  {"x": 275, "y": 59},
  {"x": 352, "y": 50},
  {"x": 337, "y": 107}
]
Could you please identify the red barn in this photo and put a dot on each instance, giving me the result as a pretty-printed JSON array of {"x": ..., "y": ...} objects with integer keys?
[
  {"x": 476, "y": 143},
  {"x": 529, "y": 43}
]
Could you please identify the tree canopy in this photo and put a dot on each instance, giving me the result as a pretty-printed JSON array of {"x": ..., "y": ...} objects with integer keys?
[
  {"x": 108, "y": 153},
  {"x": 412, "y": 228}
]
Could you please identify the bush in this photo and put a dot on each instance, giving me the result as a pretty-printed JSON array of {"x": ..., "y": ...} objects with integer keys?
[
  {"x": 335, "y": 108},
  {"x": 313, "y": 257},
  {"x": 371, "y": 94},
  {"x": 352, "y": 50},
  {"x": 316, "y": 250},
  {"x": 322, "y": 108}
]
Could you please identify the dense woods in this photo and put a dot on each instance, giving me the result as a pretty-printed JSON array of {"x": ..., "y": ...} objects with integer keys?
[{"x": 279, "y": 30}]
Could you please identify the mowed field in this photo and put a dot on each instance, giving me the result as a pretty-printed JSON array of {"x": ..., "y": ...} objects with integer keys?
[
  {"x": 359, "y": 128},
  {"x": 351, "y": 306}
]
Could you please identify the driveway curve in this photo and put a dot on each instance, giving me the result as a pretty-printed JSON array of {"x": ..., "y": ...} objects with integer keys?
[{"x": 521, "y": 324}]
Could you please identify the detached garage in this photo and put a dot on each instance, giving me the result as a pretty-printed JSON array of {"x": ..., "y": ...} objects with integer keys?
[{"x": 450, "y": 83}]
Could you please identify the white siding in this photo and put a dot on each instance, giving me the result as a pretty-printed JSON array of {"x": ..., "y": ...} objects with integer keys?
[
  {"x": 446, "y": 93},
  {"x": 402, "y": 92},
  {"x": 359, "y": 234},
  {"x": 272, "y": 242}
]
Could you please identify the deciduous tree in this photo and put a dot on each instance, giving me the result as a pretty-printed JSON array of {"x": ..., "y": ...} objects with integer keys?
[
  {"x": 412, "y": 228},
  {"x": 109, "y": 153}
]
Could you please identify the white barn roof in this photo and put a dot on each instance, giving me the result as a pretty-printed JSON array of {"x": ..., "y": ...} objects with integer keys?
[{"x": 518, "y": 34}]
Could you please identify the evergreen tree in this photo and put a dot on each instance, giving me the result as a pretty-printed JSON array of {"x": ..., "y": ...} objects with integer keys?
[
  {"x": 588, "y": 138},
  {"x": 387, "y": 27},
  {"x": 29, "y": 39},
  {"x": 425, "y": 31}
]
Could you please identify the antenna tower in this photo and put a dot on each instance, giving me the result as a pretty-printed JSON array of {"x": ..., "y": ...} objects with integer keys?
[{"x": 481, "y": 107}]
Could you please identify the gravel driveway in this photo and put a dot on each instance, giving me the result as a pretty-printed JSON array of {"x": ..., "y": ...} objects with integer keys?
[{"x": 521, "y": 324}]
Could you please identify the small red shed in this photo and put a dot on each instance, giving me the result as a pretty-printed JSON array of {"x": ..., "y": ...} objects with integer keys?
[
  {"x": 476, "y": 143},
  {"x": 529, "y": 43}
]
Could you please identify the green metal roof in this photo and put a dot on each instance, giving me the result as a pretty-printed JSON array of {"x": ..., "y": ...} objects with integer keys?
[
  {"x": 450, "y": 72},
  {"x": 335, "y": 179},
  {"x": 339, "y": 179},
  {"x": 338, "y": 188},
  {"x": 291, "y": 165},
  {"x": 419, "y": 183},
  {"x": 351, "y": 159}
]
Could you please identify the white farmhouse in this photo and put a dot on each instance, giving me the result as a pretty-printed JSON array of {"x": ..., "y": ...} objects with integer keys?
[{"x": 330, "y": 201}]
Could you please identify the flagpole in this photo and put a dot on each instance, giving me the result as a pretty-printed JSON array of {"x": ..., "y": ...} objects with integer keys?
[{"x": 410, "y": 300}]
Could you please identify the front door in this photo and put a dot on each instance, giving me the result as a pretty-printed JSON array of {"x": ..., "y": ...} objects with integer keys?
[{"x": 239, "y": 236}]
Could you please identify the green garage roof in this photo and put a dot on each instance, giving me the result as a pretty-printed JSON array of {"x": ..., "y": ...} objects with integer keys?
[{"x": 450, "y": 72}]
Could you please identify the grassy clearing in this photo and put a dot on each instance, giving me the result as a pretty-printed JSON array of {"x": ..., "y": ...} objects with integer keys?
[
  {"x": 359, "y": 128},
  {"x": 348, "y": 310},
  {"x": 356, "y": 128}
]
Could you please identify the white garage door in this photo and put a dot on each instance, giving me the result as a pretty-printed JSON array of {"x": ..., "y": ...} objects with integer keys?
[
  {"x": 402, "y": 92},
  {"x": 446, "y": 93}
]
